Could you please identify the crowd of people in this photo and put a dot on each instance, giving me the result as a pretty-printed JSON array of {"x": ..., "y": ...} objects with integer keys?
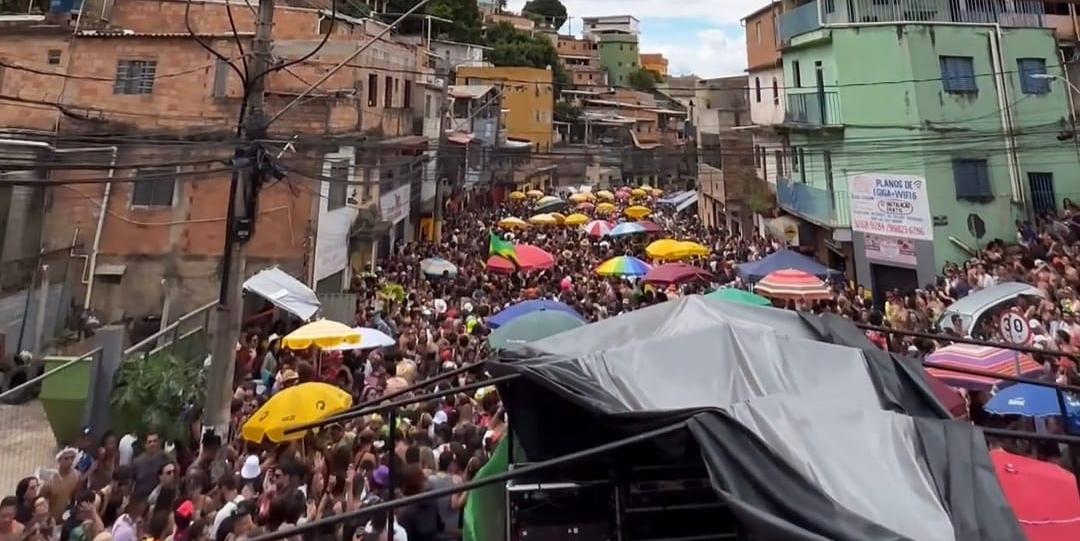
[{"x": 128, "y": 488}]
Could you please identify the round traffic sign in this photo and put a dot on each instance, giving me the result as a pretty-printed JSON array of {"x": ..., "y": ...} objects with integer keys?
[{"x": 1014, "y": 329}]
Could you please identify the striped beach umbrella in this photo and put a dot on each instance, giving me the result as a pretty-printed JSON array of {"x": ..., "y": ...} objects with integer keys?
[
  {"x": 597, "y": 228},
  {"x": 984, "y": 358},
  {"x": 792, "y": 284}
]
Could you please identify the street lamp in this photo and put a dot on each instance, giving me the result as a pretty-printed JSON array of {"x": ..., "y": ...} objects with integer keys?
[
  {"x": 1064, "y": 136},
  {"x": 1055, "y": 77}
]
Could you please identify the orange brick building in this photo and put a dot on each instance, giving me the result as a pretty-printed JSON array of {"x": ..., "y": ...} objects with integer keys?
[{"x": 130, "y": 97}]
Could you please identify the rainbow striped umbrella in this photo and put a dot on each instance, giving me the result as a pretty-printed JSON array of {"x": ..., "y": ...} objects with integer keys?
[
  {"x": 623, "y": 265},
  {"x": 792, "y": 284},
  {"x": 984, "y": 358}
]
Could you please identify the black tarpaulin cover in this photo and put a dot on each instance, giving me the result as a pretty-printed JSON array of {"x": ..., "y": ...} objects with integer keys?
[{"x": 806, "y": 430}]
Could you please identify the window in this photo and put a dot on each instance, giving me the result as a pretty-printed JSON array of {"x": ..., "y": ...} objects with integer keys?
[
  {"x": 427, "y": 107},
  {"x": 775, "y": 92},
  {"x": 339, "y": 187},
  {"x": 958, "y": 75},
  {"x": 1029, "y": 68},
  {"x": 620, "y": 63},
  {"x": 796, "y": 73},
  {"x": 794, "y": 159},
  {"x": 135, "y": 77},
  {"x": 153, "y": 187},
  {"x": 406, "y": 96},
  {"x": 802, "y": 166},
  {"x": 757, "y": 89},
  {"x": 221, "y": 78},
  {"x": 54, "y": 57},
  {"x": 972, "y": 180},
  {"x": 388, "y": 100},
  {"x": 757, "y": 30},
  {"x": 372, "y": 90}
]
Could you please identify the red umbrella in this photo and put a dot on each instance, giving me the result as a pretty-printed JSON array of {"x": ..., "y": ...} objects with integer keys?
[
  {"x": 1043, "y": 496},
  {"x": 530, "y": 258},
  {"x": 598, "y": 228},
  {"x": 622, "y": 195},
  {"x": 585, "y": 205},
  {"x": 949, "y": 397},
  {"x": 791, "y": 284},
  {"x": 676, "y": 273},
  {"x": 649, "y": 226}
]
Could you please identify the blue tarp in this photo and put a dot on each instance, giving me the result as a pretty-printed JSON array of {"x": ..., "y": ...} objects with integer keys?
[{"x": 785, "y": 259}]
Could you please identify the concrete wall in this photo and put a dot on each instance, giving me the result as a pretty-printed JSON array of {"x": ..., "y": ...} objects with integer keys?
[
  {"x": 762, "y": 42},
  {"x": 886, "y": 123},
  {"x": 529, "y": 95},
  {"x": 619, "y": 57},
  {"x": 766, "y": 107}
]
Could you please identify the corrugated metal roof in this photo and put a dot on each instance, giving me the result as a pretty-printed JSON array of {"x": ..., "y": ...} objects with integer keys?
[
  {"x": 471, "y": 92},
  {"x": 134, "y": 34}
]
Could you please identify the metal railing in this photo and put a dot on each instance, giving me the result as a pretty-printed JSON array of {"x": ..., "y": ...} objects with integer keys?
[
  {"x": 830, "y": 208},
  {"x": 173, "y": 334},
  {"x": 48, "y": 373},
  {"x": 812, "y": 109},
  {"x": 823, "y": 13}
]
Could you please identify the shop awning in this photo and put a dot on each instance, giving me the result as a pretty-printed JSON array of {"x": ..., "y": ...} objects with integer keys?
[
  {"x": 686, "y": 202},
  {"x": 285, "y": 292},
  {"x": 470, "y": 92}
]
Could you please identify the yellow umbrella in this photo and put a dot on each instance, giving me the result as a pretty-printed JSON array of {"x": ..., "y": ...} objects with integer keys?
[
  {"x": 576, "y": 219},
  {"x": 637, "y": 192},
  {"x": 543, "y": 219},
  {"x": 662, "y": 249},
  {"x": 657, "y": 192},
  {"x": 688, "y": 248},
  {"x": 517, "y": 196},
  {"x": 513, "y": 223},
  {"x": 323, "y": 333},
  {"x": 646, "y": 187},
  {"x": 637, "y": 212},
  {"x": 559, "y": 218},
  {"x": 295, "y": 406},
  {"x": 579, "y": 197},
  {"x": 547, "y": 199},
  {"x": 605, "y": 195},
  {"x": 605, "y": 208},
  {"x": 535, "y": 194}
]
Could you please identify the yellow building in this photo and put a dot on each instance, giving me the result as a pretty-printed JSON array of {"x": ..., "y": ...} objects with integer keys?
[
  {"x": 656, "y": 63},
  {"x": 528, "y": 99}
]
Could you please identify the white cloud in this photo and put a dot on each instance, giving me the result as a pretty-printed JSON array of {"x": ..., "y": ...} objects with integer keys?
[
  {"x": 713, "y": 53},
  {"x": 717, "y": 11}
]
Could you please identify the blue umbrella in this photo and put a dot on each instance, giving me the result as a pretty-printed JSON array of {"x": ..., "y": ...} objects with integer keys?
[
  {"x": 528, "y": 307},
  {"x": 1032, "y": 401}
]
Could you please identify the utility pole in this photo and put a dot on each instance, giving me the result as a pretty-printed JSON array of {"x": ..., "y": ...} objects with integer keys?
[
  {"x": 440, "y": 177},
  {"x": 243, "y": 194}
]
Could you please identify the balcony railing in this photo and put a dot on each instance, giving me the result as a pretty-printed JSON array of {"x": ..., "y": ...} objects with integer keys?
[
  {"x": 800, "y": 20},
  {"x": 812, "y": 109},
  {"x": 811, "y": 16},
  {"x": 829, "y": 208}
]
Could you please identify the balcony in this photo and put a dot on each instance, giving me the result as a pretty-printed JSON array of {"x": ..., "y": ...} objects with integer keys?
[
  {"x": 812, "y": 110},
  {"x": 809, "y": 17},
  {"x": 824, "y": 207}
]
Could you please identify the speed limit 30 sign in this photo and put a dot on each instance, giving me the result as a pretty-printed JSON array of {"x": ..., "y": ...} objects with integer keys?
[{"x": 1014, "y": 329}]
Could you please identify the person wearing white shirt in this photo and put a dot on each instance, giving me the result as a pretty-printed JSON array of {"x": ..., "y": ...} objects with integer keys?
[{"x": 230, "y": 493}]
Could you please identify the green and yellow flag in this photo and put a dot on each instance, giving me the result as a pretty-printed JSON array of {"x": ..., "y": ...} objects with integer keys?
[{"x": 502, "y": 248}]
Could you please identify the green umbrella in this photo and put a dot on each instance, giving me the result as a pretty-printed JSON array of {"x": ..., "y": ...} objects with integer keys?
[
  {"x": 739, "y": 296},
  {"x": 532, "y": 327}
]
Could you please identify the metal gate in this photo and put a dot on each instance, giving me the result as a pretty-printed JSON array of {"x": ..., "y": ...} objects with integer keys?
[{"x": 1042, "y": 192}]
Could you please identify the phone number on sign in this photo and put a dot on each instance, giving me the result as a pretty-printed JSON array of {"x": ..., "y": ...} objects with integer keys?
[{"x": 889, "y": 229}]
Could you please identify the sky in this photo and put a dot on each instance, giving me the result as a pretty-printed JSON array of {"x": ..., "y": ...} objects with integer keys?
[{"x": 703, "y": 37}]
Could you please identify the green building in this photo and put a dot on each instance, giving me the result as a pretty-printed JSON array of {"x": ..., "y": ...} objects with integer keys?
[
  {"x": 911, "y": 141},
  {"x": 618, "y": 56}
]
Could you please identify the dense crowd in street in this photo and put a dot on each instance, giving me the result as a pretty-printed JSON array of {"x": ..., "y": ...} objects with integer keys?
[{"x": 137, "y": 487}]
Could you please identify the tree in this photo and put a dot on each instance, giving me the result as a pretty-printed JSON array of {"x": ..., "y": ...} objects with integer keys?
[
  {"x": 155, "y": 391},
  {"x": 513, "y": 47},
  {"x": 548, "y": 12},
  {"x": 567, "y": 112},
  {"x": 642, "y": 79},
  {"x": 466, "y": 22}
]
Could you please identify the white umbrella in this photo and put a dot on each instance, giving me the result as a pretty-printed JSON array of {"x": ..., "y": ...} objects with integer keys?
[
  {"x": 437, "y": 266},
  {"x": 369, "y": 339}
]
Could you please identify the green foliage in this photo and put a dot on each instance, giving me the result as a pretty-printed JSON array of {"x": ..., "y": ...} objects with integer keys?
[
  {"x": 354, "y": 9},
  {"x": 153, "y": 392},
  {"x": 547, "y": 12},
  {"x": 466, "y": 25},
  {"x": 393, "y": 292},
  {"x": 566, "y": 112},
  {"x": 513, "y": 47},
  {"x": 643, "y": 79}
]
